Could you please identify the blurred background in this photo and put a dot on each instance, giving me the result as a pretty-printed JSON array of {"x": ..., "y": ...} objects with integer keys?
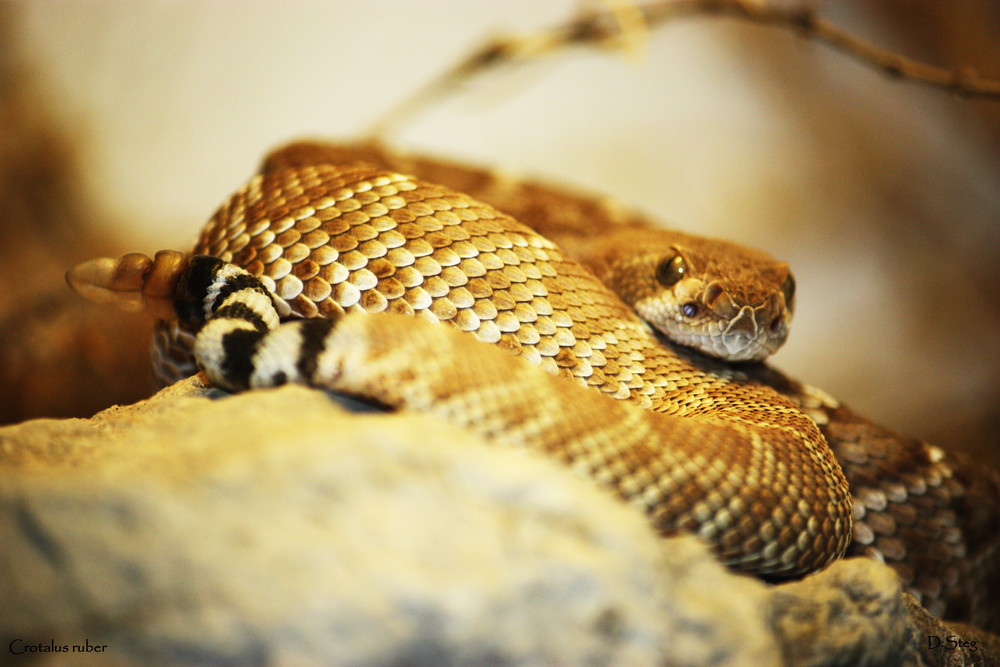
[{"x": 125, "y": 124}]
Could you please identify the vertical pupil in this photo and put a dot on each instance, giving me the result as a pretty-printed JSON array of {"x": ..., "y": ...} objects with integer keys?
[{"x": 670, "y": 271}]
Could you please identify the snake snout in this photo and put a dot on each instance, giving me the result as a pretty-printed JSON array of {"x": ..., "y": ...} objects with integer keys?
[
  {"x": 747, "y": 325},
  {"x": 744, "y": 323},
  {"x": 718, "y": 300}
]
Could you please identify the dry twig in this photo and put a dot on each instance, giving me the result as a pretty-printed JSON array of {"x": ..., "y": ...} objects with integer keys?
[{"x": 611, "y": 29}]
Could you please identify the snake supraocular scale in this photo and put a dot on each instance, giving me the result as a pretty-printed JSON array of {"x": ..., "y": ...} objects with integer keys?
[{"x": 727, "y": 459}]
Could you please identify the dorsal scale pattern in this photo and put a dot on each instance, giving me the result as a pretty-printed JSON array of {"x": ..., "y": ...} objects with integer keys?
[
  {"x": 338, "y": 240},
  {"x": 748, "y": 491},
  {"x": 744, "y": 468}
]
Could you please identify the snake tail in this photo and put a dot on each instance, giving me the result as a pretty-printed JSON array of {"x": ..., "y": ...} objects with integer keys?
[
  {"x": 134, "y": 282},
  {"x": 240, "y": 344}
]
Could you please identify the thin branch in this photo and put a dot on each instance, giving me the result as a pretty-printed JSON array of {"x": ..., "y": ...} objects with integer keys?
[
  {"x": 964, "y": 81},
  {"x": 612, "y": 30}
]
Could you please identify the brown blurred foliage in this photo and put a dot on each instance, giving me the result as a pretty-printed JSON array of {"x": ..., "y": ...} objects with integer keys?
[{"x": 59, "y": 356}]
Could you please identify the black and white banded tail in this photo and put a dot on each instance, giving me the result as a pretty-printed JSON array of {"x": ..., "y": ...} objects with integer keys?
[{"x": 241, "y": 343}]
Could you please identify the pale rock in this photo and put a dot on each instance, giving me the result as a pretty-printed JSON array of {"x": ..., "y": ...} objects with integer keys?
[
  {"x": 851, "y": 613},
  {"x": 275, "y": 528}
]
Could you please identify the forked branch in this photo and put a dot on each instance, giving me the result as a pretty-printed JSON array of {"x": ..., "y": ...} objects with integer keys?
[{"x": 626, "y": 22}]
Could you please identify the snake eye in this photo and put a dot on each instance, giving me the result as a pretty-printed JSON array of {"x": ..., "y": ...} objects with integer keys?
[
  {"x": 671, "y": 270},
  {"x": 788, "y": 289}
]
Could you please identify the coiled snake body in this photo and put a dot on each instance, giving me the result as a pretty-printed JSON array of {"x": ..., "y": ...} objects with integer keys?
[{"x": 699, "y": 446}]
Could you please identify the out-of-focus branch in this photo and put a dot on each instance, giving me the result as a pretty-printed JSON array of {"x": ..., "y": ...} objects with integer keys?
[{"x": 622, "y": 26}]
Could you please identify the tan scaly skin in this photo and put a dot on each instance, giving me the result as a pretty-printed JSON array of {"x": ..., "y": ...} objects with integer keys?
[
  {"x": 933, "y": 515},
  {"x": 729, "y": 460},
  {"x": 878, "y": 463},
  {"x": 722, "y": 299}
]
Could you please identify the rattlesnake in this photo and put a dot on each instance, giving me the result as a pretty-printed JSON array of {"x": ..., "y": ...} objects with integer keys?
[{"x": 700, "y": 446}]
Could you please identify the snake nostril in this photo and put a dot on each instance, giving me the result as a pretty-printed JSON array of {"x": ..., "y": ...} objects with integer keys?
[
  {"x": 689, "y": 309},
  {"x": 776, "y": 324}
]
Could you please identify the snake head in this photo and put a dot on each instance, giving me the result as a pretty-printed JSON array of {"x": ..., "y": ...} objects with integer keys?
[{"x": 723, "y": 299}]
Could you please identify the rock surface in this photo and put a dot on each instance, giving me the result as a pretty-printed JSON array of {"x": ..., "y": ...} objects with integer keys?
[{"x": 277, "y": 528}]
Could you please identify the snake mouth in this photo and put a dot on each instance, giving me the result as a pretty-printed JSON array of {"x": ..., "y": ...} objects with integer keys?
[
  {"x": 736, "y": 346},
  {"x": 733, "y": 347},
  {"x": 740, "y": 347}
]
